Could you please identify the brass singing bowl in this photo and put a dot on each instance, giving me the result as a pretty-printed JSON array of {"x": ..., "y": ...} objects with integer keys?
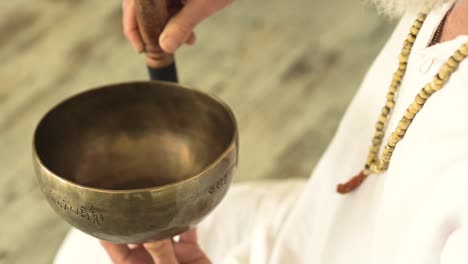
[{"x": 136, "y": 162}]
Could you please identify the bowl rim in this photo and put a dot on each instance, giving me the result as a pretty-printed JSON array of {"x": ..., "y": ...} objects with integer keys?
[{"x": 232, "y": 145}]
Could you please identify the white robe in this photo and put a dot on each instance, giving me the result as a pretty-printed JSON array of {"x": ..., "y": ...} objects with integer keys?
[{"x": 416, "y": 212}]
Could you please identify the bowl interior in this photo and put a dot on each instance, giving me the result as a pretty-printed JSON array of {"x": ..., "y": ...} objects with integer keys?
[{"x": 135, "y": 135}]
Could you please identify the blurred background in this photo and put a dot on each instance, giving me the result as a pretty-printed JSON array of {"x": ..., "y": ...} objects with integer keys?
[{"x": 288, "y": 69}]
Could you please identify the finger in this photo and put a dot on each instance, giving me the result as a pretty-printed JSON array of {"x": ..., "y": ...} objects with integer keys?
[
  {"x": 188, "y": 250},
  {"x": 191, "y": 39},
  {"x": 134, "y": 246},
  {"x": 189, "y": 237},
  {"x": 161, "y": 251},
  {"x": 182, "y": 24},
  {"x": 130, "y": 25},
  {"x": 118, "y": 253},
  {"x": 123, "y": 254}
]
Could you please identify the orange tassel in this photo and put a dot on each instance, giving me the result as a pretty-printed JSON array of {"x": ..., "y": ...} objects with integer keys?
[{"x": 352, "y": 184}]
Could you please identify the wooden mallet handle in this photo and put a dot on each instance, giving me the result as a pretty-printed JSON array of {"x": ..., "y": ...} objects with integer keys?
[{"x": 152, "y": 16}]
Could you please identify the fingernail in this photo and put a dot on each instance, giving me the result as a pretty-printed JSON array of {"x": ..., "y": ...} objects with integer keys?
[{"x": 169, "y": 44}]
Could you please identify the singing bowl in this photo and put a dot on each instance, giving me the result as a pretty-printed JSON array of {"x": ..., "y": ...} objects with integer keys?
[{"x": 136, "y": 162}]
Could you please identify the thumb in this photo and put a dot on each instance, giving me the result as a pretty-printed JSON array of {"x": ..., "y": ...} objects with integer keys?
[
  {"x": 161, "y": 251},
  {"x": 180, "y": 26}
]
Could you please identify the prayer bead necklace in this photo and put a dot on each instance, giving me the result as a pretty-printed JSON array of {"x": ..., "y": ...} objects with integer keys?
[{"x": 377, "y": 165}]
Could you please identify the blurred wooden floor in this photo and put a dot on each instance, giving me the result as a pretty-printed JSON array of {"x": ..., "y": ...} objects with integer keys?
[{"x": 287, "y": 68}]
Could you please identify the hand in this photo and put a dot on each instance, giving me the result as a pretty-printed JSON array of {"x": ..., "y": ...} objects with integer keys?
[
  {"x": 180, "y": 27},
  {"x": 185, "y": 251}
]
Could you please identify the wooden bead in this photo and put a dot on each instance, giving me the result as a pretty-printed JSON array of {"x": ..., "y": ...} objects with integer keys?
[
  {"x": 385, "y": 162},
  {"x": 366, "y": 171},
  {"x": 437, "y": 83},
  {"x": 395, "y": 136},
  {"x": 445, "y": 72},
  {"x": 452, "y": 62},
  {"x": 386, "y": 155},
  {"x": 424, "y": 94},
  {"x": 409, "y": 115},
  {"x": 428, "y": 88},
  {"x": 390, "y": 104},
  {"x": 419, "y": 19},
  {"x": 464, "y": 49},
  {"x": 404, "y": 123},
  {"x": 417, "y": 106},
  {"x": 414, "y": 31},
  {"x": 385, "y": 110},
  {"x": 443, "y": 75},
  {"x": 379, "y": 126},
  {"x": 374, "y": 149},
  {"x": 403, "y": 58},
  {"x": 383, "y": 119},
  {"x": 411, "y": 38},
  {"x": 379, "y": 134},
  {"x": 399, "y": 73},
  {"x": 412, "y": 110},
  {"x": 388, "y": 149},
  {"x": 402, "y": 66},
  {"x": 383, "y": 165},
  {"x": 419, "y": 100},
  {"x": 393, "y": 88},
  {"x": 400, "y": 131},
  {"x": 397, "y": 77},
  {"x": 390, "y": 96},
  {"x": 414, "y": 107},
  {"x": 378, "y": 168},
  {"x": 406, "y": 51},
  {"x": 447, "y": 68},
  {"x": 378, "y": 137},
  {"x": 376, "y": 141},
  {"x": 458, "y": 56},
  {"x": 373, "y": 168},
  {"x": 437, "y": 87}
]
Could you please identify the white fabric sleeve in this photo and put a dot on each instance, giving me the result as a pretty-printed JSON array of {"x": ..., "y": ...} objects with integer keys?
[
  {"x": 245, "y": 226},
  {"x": 79, "y": 248}
]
